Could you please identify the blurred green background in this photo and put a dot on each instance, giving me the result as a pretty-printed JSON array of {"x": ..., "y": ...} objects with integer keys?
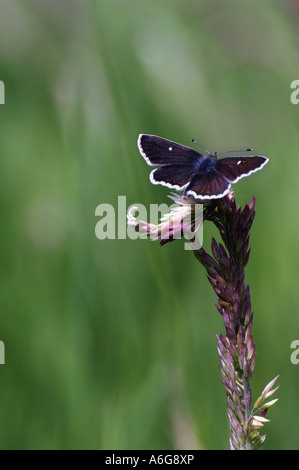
[{"x": 111, "y": 344}]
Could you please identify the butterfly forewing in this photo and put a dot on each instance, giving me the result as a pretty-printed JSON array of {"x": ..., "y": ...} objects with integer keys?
[
  {"x": 235, "y": 168},
  {"x": 159, "y": 151}
]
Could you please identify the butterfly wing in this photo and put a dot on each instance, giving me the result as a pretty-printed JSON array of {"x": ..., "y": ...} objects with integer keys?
[
  {"x": 211, "y": 185},
  {"x": 235, "y": 168},
  {"x": 173, "y": 176},
  {"x": 158, "y": 151}
]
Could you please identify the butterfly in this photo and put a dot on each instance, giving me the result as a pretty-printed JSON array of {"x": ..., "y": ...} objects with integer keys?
[{"x": 201, "y": 176}]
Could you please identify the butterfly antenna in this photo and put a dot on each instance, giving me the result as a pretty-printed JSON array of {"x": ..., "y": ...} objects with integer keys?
[
  {"x": 192, "y": 140},
  {"x": 230, "y": 151}
]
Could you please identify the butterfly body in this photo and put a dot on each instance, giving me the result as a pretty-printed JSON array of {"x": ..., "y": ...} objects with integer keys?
[{"x": 201, "y": 176}]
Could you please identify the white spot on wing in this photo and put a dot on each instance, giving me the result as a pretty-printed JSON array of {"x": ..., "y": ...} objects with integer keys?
[{"x": 170, "y": 148}]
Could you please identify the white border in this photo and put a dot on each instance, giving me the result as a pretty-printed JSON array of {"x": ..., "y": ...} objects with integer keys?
[
  {"x": 215, "y": 196},
  {"x": 142, "y": 152}
]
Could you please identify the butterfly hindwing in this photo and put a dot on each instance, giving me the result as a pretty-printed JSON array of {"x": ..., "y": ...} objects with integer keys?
[
  {"x": 211, "y": 185},
  {"x": 173, "y": 176}
]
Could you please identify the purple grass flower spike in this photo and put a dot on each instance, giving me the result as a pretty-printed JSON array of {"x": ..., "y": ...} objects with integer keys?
[{"x": 225, "y": 272}]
